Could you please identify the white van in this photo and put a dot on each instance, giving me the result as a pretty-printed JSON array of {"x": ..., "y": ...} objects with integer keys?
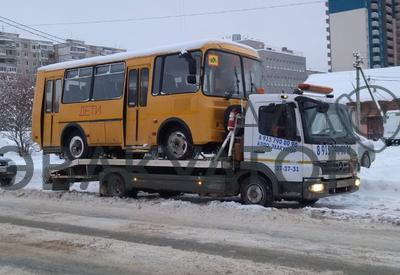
[{"x": 391, "y": 133}]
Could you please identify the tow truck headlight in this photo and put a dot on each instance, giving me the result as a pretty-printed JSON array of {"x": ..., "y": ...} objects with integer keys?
[
  {"x": 316, "y": 188},
  {"x": 357, "y": 182}
]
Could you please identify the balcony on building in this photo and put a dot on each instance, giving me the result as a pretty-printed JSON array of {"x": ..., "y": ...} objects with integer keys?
[
  {"x": 376, "y": 50},
  {"x": 78, "y": 49},
  {"x": 374, "y": 6},
  {"x": 376, "y": 41},
  {"x": 375, "y": 32},
  {"x": 374, "y": 15},
  {"x": 9, "y": 61},
  {"x": 374, "y": 24},
  {"x": 7, "y": 43},
  {"x": 376, "y": 58}
]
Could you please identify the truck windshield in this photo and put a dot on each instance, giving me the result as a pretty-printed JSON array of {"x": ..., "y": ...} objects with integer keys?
[
  {"x": 325, "y": 122},
  {"x": 230, "y": 75}
]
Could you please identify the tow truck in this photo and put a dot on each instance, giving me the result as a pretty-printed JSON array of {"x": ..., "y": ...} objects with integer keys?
[{"x": 298, "y": 147}]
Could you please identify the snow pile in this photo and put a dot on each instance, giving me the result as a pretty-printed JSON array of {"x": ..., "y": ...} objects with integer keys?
[{"x": 378, "y": 198}]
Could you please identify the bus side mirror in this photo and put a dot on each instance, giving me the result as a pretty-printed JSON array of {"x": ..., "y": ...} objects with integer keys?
[
  {"x": 191, "y": 79},
  {"x": 191, "y": 62}
]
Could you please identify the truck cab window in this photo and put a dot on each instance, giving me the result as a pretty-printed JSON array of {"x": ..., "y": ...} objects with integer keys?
[{"x": 278, "y": 120}]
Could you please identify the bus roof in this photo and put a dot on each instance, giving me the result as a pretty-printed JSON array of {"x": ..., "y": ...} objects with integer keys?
[{"x": 152, "y": 51}]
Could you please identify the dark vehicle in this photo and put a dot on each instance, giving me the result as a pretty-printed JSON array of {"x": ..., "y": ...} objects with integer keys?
[{"x": 7, "y": 172}]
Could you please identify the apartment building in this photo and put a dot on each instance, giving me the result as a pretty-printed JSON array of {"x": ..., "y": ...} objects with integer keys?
[
  {"x": 371, "y": 27},
  {"x": 77, "y": 49},
  {"x": 21, "y": 55},
  {"x": 25, "y": 56},
  {"x": 283, "y": 69}
]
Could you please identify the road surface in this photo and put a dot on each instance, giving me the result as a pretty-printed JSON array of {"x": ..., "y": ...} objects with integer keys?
[{"x": 77, "y": 233}]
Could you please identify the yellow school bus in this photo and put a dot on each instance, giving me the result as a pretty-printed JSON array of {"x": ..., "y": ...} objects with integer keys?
[{"x": 170, "y": 100}]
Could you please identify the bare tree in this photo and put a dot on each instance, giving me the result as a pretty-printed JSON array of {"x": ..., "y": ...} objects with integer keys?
[{"x": 16, "y": 98}]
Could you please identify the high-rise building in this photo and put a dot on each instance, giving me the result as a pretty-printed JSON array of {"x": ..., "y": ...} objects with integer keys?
[
  {"x": 283, "y": 69},
  {"x": 371, "y": 27}
]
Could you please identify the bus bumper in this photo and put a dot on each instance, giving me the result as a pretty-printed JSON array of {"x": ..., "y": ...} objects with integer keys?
[{"x": 316, "y": 188}]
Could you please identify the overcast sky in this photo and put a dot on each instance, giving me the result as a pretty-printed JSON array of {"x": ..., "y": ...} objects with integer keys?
[{"x": 301, "y": 28}]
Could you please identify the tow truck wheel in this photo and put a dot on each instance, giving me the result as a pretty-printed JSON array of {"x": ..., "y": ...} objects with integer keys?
[
  {"x": 366, "y": 160},
  {"x": 115, "y": 185},
  {"x": 256, "y": 190}
]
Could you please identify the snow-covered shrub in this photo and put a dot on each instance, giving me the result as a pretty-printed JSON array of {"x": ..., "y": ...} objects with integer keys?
[{"x": 16, "y": 98}]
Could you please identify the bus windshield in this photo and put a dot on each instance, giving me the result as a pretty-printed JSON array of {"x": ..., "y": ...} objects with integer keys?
[
  {"x": 252, "y": 75},
  {"x": 224, "y": 76}
]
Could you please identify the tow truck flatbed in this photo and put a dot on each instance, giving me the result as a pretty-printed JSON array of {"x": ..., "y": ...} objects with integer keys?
[{"x": 199, "y": 176}]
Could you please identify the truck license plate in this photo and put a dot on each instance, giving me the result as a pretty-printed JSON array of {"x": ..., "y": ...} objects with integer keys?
[
  {"x": 344, "y": 183},
  {"x": 3, "y": 169}
]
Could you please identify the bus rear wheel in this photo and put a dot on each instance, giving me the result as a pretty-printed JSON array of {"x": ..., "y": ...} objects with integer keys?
[
  {"x": 76, "y": 146},
  {"x": 177, "y": 144}
]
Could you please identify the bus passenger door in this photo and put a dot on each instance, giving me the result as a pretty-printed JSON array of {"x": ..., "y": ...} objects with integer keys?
[
  {"x": 137, "y": 91},
  {"x": 52, "y": 101}
]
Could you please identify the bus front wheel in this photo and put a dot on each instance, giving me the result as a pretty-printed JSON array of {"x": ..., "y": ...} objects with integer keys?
[
  {"x": 76, "y": 146},
  {"x": 177, "y": 144}
]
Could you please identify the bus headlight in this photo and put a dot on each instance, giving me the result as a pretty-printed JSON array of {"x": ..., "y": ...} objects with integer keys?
[
  {"x": 357, "y": 182},
  {"x": 316, "y": 188}
]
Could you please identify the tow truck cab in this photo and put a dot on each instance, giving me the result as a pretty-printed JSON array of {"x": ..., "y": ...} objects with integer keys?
[{"x": 304, "y": 141}]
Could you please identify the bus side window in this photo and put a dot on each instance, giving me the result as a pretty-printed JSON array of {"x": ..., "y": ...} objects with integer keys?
[
  {"x": 108, "y": 81},
  {"x": 144, "y": 86},
  {"x": 132, "y": 87},
  {"x": 157, "y": 75},
  {"x": 77, "y": 85},
  {"x": 49, "y": 96},
  {"x": 171, "y": 72},
  {"x": 57, "y": 96}
]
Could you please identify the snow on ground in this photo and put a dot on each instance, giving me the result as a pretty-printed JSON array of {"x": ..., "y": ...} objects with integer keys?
[
  {"x": 378, "y": 199},
  {"x": 379, "y": 195}
]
